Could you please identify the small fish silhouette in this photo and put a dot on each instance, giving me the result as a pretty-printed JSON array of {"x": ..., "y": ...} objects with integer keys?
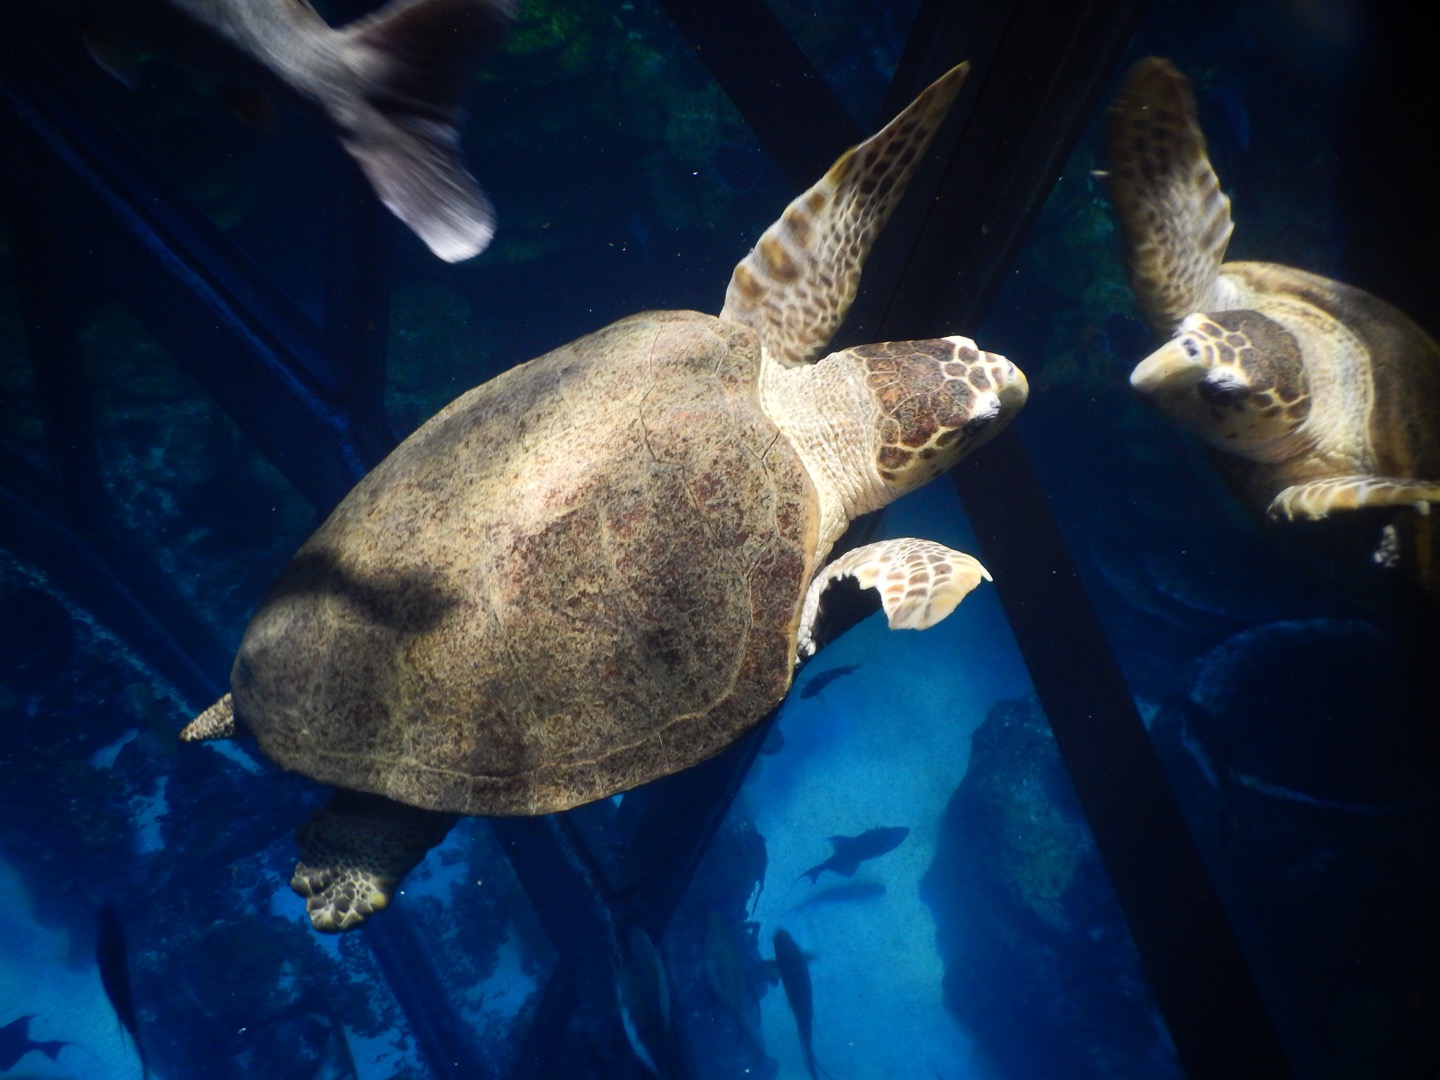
[
  {"x": 112, "y": 957},
  {"x": 851, "y": 851},
  {"x": 795, "y": 978},
  {"x": 816, "y": 683},
  {"x": 15, "y": 1043}
]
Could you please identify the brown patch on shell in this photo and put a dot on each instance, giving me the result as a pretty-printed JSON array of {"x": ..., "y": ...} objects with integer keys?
[{"x": 503, "y": 618}]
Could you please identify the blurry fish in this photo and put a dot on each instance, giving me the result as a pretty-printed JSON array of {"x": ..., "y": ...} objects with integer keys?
[
  {"x": 644, "y": 994},
  {"x": 846, "y": 892},
  {"x": 389, "y": 85},
  {"x": 15, "y": 1043},
  {"x": 795, "y": 978},
  {"x": 821, "y": 679},
  {"x": 112, "y": 957},
  {"x": 851, "y": 851}
]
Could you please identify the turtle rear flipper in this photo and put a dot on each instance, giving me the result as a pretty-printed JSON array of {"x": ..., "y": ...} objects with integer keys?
[
  {"x": 354, "y": 853},
  {"x": 216, "y": 722}
]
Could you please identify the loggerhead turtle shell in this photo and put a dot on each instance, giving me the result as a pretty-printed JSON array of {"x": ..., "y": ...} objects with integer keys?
[{"x": 579, "y": 576}]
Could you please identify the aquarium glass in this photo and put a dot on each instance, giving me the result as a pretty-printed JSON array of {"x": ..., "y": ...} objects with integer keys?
[{"x": 891, "y": 877}]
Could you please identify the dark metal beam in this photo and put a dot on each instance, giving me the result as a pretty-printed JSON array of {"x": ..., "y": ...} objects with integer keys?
[
  {"x": 759, "y": 66},
  {"x": 94, "y": 566},
  {"x": 1038, "y": 72},
  {"x": 1037, "y": 92}
]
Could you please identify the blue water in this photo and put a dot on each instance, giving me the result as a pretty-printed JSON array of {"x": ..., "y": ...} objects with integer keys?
[{"x": 989, "y": 944}]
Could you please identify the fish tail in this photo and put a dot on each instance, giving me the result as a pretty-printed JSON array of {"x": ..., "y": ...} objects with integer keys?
[
  {"x": 414, "y": 59},
  {"x": 51, "y": 1048}
]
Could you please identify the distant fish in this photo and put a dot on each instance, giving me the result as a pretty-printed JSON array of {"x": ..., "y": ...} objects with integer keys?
[
  {"x": 112, "y": 957},
  {"x": 851, "y": 851},
  {"x": 795, "y": 978},
  {"x": 644, "y": 993},
  {"x": 389, "y": 85},
  {"x": 821, "y": 679},
  {"x": 846, "y": 892},
  {"x": 15, "y": 1043}
]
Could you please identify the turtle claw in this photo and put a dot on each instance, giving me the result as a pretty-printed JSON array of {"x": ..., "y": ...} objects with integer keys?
[
  {"x": 355, "y": 852},
  {"x": 1320, "y": 498}
]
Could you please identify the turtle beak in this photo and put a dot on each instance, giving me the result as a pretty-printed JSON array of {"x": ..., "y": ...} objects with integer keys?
[
  {"x": 1013, "y": 387},
  {"x": 1173, "y": 368}
]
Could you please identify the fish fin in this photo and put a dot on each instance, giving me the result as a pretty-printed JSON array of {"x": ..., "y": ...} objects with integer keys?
[
  {"x": 813, "y": 873},
  {"x": 114, "y": 55},
  {"x": 51, "y": 1048},
  {"x": 416, "y": 58}
]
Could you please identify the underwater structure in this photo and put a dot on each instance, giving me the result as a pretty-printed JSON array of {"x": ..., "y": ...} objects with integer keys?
[{"x": 1161, "y": 800}]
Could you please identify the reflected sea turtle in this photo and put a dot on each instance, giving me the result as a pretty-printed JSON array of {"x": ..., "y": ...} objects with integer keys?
[
  {"x": 601, "y": 566},
  {"x": 1318, "y": 398}
]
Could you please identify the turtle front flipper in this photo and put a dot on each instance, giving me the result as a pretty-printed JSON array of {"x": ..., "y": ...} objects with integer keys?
[
  {"x": 798, "y": 282},
  {"x": 919, "y": 582},
  {"x": 354, "y": 853},
  {"x": 1174, "y": 218},
  {"x": 1321, "y": 498}
]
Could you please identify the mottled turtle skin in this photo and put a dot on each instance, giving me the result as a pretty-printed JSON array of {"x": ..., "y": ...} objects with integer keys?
[
  {"x": 425, "y": 645},
  {"x": 1317, "y": 398},
  {"x": 602, "y": 566}
]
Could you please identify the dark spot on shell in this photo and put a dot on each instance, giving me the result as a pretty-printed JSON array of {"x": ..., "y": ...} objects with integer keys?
[{"x": 893, "y": 457}]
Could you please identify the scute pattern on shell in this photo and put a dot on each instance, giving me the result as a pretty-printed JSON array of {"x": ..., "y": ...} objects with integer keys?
[{"x": 580, "y": 576}]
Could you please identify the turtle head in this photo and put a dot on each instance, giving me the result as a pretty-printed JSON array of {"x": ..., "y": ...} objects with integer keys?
[
  {"x": 934, "y": 401},
  {"x": 1234, "y": 378}
]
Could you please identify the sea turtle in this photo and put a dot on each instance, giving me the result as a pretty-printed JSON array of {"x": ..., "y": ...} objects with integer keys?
[
  {"x": 1316, "y": 397},
  {"x": 601, "y": 566}
]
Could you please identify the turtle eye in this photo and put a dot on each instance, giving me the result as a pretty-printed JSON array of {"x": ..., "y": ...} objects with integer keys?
[
  {"x": 1222, "y": 388},
  {"x": 982, "y": 418}
]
